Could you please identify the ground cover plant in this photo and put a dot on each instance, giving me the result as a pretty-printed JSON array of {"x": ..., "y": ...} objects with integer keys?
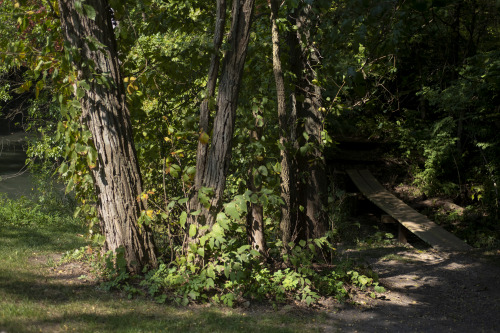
[{"x": 39, "y": 293}]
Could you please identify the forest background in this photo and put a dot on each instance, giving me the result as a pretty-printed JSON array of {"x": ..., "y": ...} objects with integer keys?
[{"x": 195, "y": 137}]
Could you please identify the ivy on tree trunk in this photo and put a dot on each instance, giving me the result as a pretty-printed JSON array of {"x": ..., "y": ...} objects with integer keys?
[
  {"x": 303, "y": 176},
  {"x": 88, "y": 31}
]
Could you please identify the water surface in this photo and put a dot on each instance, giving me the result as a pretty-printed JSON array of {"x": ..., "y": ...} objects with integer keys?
[{"x": 15, "y": 180}]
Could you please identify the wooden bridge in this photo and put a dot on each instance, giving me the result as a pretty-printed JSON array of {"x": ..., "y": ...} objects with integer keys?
[{"x": 412, "y": 220}]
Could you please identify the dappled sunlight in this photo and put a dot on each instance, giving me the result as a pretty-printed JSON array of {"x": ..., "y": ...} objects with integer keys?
[{"x": 428, "y": 290}]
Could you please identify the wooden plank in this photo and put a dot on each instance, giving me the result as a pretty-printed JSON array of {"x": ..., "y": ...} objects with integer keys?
[{"x": 415, "y": 222}]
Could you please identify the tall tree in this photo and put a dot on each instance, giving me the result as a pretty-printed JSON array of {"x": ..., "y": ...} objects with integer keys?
[
  {"x": 286, "y": 120},
  {"x": 88, "y": 30},
  {"x": 303, "y": 176},
  {"x": 311, "y": 164},
  {"x": 202, "y": 152},
  {"x": 218, "y": 158}
]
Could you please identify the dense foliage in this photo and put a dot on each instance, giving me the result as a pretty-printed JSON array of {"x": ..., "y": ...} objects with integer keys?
[{"x": 422, "y": 74}]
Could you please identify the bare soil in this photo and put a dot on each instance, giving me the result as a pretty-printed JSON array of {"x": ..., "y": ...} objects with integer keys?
[{"x": 427, "y": 291}]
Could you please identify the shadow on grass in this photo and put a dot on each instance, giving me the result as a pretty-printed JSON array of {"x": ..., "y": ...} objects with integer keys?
[
  {"x": 48, "y": 238},
  {"x": 168, "y": 319},
  {"x": 35, "y": 302}
]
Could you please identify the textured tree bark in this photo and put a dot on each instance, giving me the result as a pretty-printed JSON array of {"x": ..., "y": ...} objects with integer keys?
[
  {"x": 286, "y": 121},
  {"x": 312, "y": 164},
  {"x": 202, "y": 152},
  {"x": 117, "y": 179},
  {"x": 255, "y": 211},
  {"x": 219, "y": 156},
  {"x": 314, "y": 188},
  {"x": 307, "y": 219},
  {"x": 204, "y": 124}
]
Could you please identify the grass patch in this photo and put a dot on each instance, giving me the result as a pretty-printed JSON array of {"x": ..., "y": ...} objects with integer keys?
[{"x": 37, "y": 296}]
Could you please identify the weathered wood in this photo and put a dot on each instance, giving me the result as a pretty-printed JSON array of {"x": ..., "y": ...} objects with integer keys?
[{"x": 412, "y": 220}]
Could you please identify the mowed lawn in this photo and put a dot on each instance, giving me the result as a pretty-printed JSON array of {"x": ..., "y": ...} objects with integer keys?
[{"x": 39, "y": 295}]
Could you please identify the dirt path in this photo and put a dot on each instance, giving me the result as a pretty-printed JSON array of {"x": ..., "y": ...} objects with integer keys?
[{"x": 427, "y": 291}]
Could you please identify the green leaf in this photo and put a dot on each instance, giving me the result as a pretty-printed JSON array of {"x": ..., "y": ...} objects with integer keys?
[
  {"x": 84, "y": 85},
  {"x": 192, "y": 230},
  {"x": 201, "y": 252},
  {"x": 210, "y": 272},
  {"x": 204, "y": 138},
  {"x": 254, "y": 198},
  {"x": 89, "y": 11},
  {"x": 232, "y": 211},
  {"x": 191, "y": 170},
  {"x": 363, "y": 280},
  {"x": 39, "y": 86},
  {"x": 209, "y": 283},
  {"x": 182, "y": 219},
  {"x": 255, "y": 253},
  {"x": 193, "y": 294},
  {"x": 262, "y": 170},
  {"x": 223, "y": 221},
  {"x": 243, "y": 248},
  {"x": 174, "y": 170},
  {"x": 196, "y": 212},
  {"x": 63, "y": 169},
  {"x": 80, "y": 93}
]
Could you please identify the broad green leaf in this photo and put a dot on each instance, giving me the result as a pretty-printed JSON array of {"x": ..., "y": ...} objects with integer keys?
[
  {"x": 196, "y": 212},
  {"x": 89, "y": 11},
  {"x": 192, "y": 230},
  {"x": 84, "y": 85},
  {"x": 232, "y": 211},
  {"x": 254, "y": 198},
  {"x": 173, "y": 170},
  {"x": 263, "y": 170},
  {"x": 210, "y": 272},
  {"x": 223, "y": 221},
  {"x": 255, "y": 253},
  {"x": 243, "y": 248},
  {"x": 209, "y": 283},
  {"x": 182, "y": 219},
  {"x": 80, "y": 93}
]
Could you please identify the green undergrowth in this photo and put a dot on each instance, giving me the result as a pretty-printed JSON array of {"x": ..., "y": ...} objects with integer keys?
[
  {"x": 473, "y": 225},
  {"x": 40, "y": 294},
  {"x": 220, "y": 270}
]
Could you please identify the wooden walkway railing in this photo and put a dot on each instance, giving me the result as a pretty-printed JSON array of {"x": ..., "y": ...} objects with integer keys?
[{"x": 412, "y": 220}]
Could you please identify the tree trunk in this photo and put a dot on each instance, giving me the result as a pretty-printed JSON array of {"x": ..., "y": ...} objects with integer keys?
[
  {"x": 286, "y": 123},
  {"x": 307, "y": 219},
  {"x": 204, "y": 124},
  {"x": 117, "y": 179},
  {"x": 255, "y": 211},
  {"x": 201, "y": 154},
  {"x": 219, "y": 156},
  {"x": 313, "y": 162}
]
